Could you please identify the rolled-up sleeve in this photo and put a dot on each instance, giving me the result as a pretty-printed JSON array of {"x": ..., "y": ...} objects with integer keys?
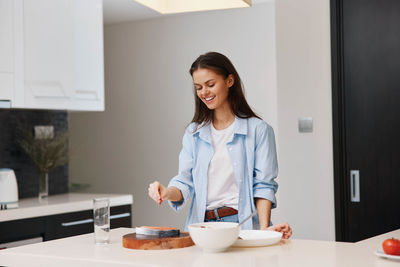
[
  {"x": 184, "y": 180},
  {"x": 265, "y": 164}
]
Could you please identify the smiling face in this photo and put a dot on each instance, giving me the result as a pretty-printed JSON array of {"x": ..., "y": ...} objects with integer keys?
[{"x": 212, "y": 88}]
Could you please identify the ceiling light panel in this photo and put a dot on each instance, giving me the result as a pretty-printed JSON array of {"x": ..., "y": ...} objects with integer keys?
[{"x": 180, "y": 6}]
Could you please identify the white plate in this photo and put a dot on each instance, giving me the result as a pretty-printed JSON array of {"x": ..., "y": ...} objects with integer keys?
[
  {"x": 257, "y": 238},
  {"x": 382, "y": 254}
]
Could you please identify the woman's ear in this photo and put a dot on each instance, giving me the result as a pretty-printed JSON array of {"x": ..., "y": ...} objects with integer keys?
[{"x": 230, "y": 80}]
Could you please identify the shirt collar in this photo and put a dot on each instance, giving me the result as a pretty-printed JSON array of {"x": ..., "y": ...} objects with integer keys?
[
  {"x": 204, "y": 130},
  {"x": 240, "y": 126}
]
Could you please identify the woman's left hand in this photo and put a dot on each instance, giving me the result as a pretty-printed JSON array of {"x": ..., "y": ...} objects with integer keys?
[{"x": 283, "y": 228}]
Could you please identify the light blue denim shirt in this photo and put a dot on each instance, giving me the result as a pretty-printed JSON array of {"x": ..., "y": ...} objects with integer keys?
[{"x": 252, "y": 152}]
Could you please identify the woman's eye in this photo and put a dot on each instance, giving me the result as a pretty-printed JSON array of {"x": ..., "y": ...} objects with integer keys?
[
  {"x": 198, "y": 88},
  {"x": 211, "y": 85}
]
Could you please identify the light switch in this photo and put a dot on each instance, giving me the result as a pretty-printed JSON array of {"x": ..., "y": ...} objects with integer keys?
[{"x": 305, "y": 125}]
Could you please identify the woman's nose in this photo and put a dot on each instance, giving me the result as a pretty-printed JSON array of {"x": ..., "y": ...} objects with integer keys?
[{"x": 204, "y": 92}]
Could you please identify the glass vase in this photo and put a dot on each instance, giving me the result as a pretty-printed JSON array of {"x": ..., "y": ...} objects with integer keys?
[{"x": 43, "y": 185}]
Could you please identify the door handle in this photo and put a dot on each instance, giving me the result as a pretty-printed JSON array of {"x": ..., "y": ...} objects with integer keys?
[{"x": 355, "y": 185}]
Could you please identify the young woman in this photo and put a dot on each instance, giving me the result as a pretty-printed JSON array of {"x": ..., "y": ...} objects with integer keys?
[{"x": 228, "y": 161}]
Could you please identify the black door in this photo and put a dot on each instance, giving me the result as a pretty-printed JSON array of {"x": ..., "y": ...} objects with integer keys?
[{"x": 366, "y": 103}]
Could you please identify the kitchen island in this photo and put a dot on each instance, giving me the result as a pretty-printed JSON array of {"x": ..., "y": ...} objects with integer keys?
[{"x": 81, "y": 251}]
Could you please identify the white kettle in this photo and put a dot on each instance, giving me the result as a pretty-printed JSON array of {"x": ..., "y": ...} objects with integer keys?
[{"x": 8, "y": 189}]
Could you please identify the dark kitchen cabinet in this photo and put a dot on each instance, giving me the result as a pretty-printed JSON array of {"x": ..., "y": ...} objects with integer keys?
[
  {"x": 366, "y": 122},
  {"x": 61, "y": 225}
]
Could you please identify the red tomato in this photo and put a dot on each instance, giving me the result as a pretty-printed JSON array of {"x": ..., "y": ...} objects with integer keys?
[{"x": 391, "y": 246}]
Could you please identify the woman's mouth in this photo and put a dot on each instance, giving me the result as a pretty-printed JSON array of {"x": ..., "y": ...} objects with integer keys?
[{"x": 209, "y": 99}]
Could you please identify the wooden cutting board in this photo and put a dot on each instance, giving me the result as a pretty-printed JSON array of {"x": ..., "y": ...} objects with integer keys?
[{"x": 134, "y": 241}]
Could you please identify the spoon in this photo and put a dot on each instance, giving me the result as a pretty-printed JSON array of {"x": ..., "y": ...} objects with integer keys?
[{"x": 248, "y": 217}]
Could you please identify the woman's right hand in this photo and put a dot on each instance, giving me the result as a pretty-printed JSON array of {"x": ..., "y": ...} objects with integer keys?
[{"x": 158, "y": 192}]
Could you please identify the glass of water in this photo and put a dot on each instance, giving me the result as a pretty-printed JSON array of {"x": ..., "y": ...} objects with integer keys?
[{"x": 101, "y": 214}]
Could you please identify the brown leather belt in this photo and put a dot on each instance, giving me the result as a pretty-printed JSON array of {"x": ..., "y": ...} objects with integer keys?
[{"x": 222, "y": 212}]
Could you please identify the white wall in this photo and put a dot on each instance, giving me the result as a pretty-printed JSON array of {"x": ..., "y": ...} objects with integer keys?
[
  {"x": 305, "y": 198},
  {"x": 149, "y": 99}
]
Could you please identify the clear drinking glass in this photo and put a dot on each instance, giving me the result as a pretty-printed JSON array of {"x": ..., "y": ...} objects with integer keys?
[{"x": 101, "y": 214}]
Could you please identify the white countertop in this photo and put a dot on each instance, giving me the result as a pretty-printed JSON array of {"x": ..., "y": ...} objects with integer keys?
[
  {"x": 56, "y": 204},
  {"x": 81, "y": 251}
]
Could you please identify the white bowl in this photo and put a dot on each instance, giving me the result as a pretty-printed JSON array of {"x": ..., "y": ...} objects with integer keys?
[{"x": 214, "y": 236}]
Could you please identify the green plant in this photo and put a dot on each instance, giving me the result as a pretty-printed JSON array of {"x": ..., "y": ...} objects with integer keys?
[{"x": 46, "y": 154}]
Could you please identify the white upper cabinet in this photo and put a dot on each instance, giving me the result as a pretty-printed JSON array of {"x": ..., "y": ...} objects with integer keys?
[
  {"x": 58, "y": 54},
  {"x": 48, "y": 53},
  {"x": 88, "y": 54}
]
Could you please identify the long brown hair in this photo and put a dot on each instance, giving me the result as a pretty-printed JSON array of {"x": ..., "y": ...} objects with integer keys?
[{"x": 223, "y": 66}]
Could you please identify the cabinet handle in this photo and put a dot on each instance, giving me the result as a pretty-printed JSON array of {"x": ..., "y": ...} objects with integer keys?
[
  {"x": 355, "y": 185},
  {"x": 122, "y": 215},
  {"x": 5, "y": 104},
  {"x": 112, "y": 217},
  {"x": 86, "y": 95},
  {"x": 77, "y": 222}
]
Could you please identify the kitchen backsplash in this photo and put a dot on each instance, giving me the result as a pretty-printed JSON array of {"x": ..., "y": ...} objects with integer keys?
[{"x": 12, "y": 156}]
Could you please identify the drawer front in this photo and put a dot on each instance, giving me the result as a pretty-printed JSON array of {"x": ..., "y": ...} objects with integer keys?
[
  {"x": 121, "y": 216},
  {"x": 69, "y": 224},
  {"x": 11, "y": 231},
  {"x": 77, "y": 223}
]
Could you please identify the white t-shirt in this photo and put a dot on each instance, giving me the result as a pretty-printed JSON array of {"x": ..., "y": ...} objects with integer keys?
[{"x": 222, "y": 188}]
